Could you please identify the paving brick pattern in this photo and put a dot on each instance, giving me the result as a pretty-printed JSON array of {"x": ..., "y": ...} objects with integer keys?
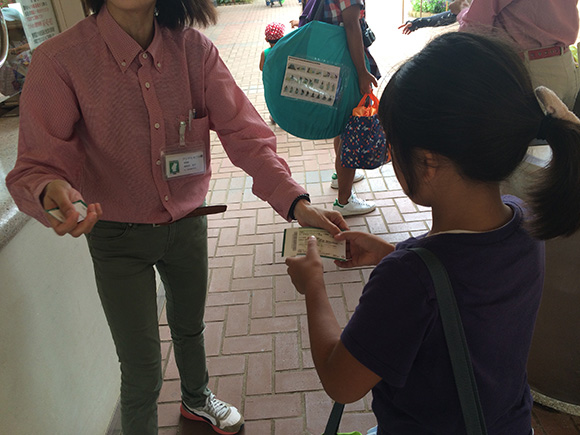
[{"x": 257, "y": 340}]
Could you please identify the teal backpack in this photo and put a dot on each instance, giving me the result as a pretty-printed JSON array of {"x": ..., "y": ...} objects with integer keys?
[{"x": 310, "y": 82}]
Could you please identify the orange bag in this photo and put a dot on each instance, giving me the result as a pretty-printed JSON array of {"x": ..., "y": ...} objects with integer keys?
[{"x": 367, "y": 110}]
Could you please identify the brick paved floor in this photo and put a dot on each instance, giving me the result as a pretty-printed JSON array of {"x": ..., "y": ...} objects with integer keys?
[{"x": 257, "y": 342}]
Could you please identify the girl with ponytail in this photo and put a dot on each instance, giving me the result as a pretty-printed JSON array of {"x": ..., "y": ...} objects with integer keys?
[{"x": 459, "y": 117}]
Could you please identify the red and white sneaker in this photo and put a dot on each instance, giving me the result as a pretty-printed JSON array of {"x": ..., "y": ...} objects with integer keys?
[{"x": 222, "y": 417}]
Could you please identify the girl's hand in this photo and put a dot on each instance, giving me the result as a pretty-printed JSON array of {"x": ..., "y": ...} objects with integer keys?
[
  {"x": 59, "y": 193},
  {"x": 363, "y": 249},
  {"x": 366, "y": 81},
  {"x": 407, "y": 28},
  {"x": 307, "y": 272},
  {"x": 309, "y": 216}
]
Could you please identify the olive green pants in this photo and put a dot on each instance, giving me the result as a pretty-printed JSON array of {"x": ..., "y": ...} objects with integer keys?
[{"x": 124, "y": 256}]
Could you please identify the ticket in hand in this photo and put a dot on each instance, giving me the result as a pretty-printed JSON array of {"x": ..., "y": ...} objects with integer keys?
[
  {"x": 296, "y": 243},
  {"x": 79, "y": 205}
]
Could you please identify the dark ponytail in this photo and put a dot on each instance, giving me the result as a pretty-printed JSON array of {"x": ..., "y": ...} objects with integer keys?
[
  {"x": 555, "y": 198},
  {"x": 470, "y": 98}
]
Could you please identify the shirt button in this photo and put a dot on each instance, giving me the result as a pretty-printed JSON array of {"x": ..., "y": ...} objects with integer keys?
[
  {"x": 158, "y": 162},
  {"x": 147, "y": 85},
  {"x": 166, "y": 198},
  {"x": 156, "y": 125},
  {"x": 144, "y": 55},
  {"x": 123, "y": 63}
]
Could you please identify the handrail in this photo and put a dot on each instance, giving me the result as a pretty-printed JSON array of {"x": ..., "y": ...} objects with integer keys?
[{"x": 4, "y": 42}]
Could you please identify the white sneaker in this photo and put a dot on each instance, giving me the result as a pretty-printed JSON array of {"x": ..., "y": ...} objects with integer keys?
[
  {"x": 354, "y": 206},
  {"x": 358, "y": 176},
  {"x": 222, "y": 417}
]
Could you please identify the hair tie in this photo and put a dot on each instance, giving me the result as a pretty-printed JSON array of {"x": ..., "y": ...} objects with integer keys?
[
  {"x": 552, "y": 106},
  {"x": 544, "y": 126}
]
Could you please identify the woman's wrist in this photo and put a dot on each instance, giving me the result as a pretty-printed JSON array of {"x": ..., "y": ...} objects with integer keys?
[{"x": 292, "y": 211}]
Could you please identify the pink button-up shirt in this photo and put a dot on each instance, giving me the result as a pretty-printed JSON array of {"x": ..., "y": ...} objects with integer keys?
[
  {"x": 99, "y": 112},
  {"x": 530, "y": 23}
]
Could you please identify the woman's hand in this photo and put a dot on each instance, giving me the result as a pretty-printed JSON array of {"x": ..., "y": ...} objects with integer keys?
[
  {"x": 294, "y": 23},
  {"x": 307, "y": 272},
  {"x": 363, "y": 249},
  {"x": 309, "y": 216},
  {"x": 59, "y": 193}
]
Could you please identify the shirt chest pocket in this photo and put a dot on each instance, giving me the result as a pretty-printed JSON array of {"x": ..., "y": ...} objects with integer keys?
[{"x": 190, "y": 155}]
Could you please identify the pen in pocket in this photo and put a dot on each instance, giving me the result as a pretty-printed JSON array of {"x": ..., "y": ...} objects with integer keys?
[{"x": 191, "y": 116}]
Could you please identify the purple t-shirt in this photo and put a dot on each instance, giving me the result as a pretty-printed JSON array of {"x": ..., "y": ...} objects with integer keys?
[{"x": 397, "y": 333}]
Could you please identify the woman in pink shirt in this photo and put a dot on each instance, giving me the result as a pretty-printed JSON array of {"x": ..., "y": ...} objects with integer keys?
[
  {"x": 116, "y": 112},
  {"x": 542, "y": 29}
]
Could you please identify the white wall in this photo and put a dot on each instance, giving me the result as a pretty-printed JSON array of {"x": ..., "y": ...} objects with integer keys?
[
  {"x": 58, "y": 369},
  {"x": 68, "y": 13}
]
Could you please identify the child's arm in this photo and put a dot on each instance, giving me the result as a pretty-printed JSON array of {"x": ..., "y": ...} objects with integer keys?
[
  {"x": 438, "y": 20},
  {"x": 262, "y": 59},
  {"x": 350, "y": 16},
  {"x": 344, "y": 378}
]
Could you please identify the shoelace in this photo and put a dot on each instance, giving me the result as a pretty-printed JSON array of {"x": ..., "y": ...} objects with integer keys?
[
  {"x": 218, "y": 408},
  {"x": 356, "y": 200}
]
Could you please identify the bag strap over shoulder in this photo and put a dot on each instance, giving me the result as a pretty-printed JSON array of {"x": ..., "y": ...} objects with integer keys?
[
  {"x": 456, "y": 343},
  {"x": 317, "y": 11},
  {"x": 458, "y": 351},
  {"x": 334, "y": 419}
]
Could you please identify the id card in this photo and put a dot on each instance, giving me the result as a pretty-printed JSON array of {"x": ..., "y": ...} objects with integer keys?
[
  {"x": 180, "y": 163},
  {"x": 296, "y": 243},
  {"x": 312, "y": 81},
  {"x": 80, "y": 207}
]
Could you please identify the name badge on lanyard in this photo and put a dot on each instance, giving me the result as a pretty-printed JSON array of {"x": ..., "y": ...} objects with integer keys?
[
  {"x": 180, "y": 164},
  {"x": 185, "y": 159}
]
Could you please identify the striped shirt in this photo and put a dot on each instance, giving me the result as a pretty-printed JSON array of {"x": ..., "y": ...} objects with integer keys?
[{"x": 333, "y": 9}]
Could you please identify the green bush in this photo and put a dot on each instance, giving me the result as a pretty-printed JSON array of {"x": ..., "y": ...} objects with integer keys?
[{"x": 431, "y": 6}]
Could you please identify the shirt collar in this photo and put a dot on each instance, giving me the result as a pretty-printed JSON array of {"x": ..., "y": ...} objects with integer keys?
[{"x": 124, "y": 48}]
